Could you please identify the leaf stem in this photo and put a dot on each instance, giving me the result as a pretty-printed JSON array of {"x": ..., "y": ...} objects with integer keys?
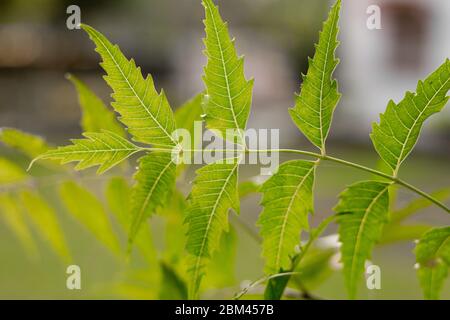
[
  {"x": 331, "y": 159},
  {"x": 363, "y": 168}
]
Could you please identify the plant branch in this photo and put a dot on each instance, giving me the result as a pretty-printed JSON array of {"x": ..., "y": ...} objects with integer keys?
[{"x": 363, "y": 168}]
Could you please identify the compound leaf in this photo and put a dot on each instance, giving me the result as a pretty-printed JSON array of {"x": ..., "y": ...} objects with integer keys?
[
  {"x": 362, "y": 212},
  {"x": 433, "y": 256},
  {"x": 399, "y": 128},
  {"x": 146, "y": 113},
  {"x": 319, "y": 94},
  {"x": 228, "y": 93},
  {"x": 287, "y": 200}
]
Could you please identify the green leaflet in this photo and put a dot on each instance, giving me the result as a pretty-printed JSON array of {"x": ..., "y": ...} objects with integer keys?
[
  {"x": 106, "y": 149},
  {"x": 319, "y": 94},
  {"x": 399, "y": 128},
  {"x": 96, "y": 116},
  {"x": 29, "y": 144},
  {"x": 228, "y": 93},
  {"x": 287, "y": 200},
  {"x": 155, "y": 179},
  {"x": 213, "y": 194},
  {"x": 89, "y": 211},
  {"x": 13, "y": 217},
  {"x": 11, "y": 172},
  {"x": 172, "y": 286},
  {"x": 44, "y": 218},
  {"x": 118, "y": 196},
  {"x": 175, "y": 229},
  {"x": 363, "y": 211},
  {"x": 146, "y": 113},
  {"x": 221, "y": 271},
  {"x": 432, "y": 280},
  {"x": 433, "y": 256}
]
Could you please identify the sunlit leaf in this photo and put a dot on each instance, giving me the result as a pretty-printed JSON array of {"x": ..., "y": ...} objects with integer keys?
[
  {"x": 30, "y": 145},
  {"x": 13, "y": 217},
  {"x": 363, "y": 211},
  {"x": 228, "y": 93},
  {"x": 287, "y": 200},
  {"x": 90, "y": 213},
  {"x": 143, "y": 110},
  {"x": 96, "y": 117},
  {"x": 397, "y": 132},
  {"x": 105, "y": 149},
  {"x": 11, "y": 172},
  {"x": 44, "y": 218},
  {"x": 155, "y": 180},
  {"x": 319, "y": 94},
  {"x": 213, "y": 194},
  {"x": 118, "y": 196}
]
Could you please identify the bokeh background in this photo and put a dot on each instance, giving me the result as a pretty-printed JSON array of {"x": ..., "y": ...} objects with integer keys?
[{"x": 276, "y": 37}]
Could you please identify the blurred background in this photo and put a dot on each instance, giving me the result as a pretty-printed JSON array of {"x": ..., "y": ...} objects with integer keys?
[{"x": 276, "y": 37}]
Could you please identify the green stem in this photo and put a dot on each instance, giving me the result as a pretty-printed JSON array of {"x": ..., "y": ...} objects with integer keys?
[
  {"x": 363, "y": 168},
  {"x": 331, "y": 159}
]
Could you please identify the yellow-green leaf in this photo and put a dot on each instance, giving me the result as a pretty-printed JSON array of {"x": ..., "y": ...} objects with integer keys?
[
  {"x": 143, "y": 110},
  {"x": 90, "y": 213},
  {"x": 96, "y": 117},
  {"x": 362, "y": 213},
  {"x": 319, "y": 94},
  {"x": 228, "y": 93},
  {"x": 398, "y": 131},
  {"x": 44, "y": 218}
]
